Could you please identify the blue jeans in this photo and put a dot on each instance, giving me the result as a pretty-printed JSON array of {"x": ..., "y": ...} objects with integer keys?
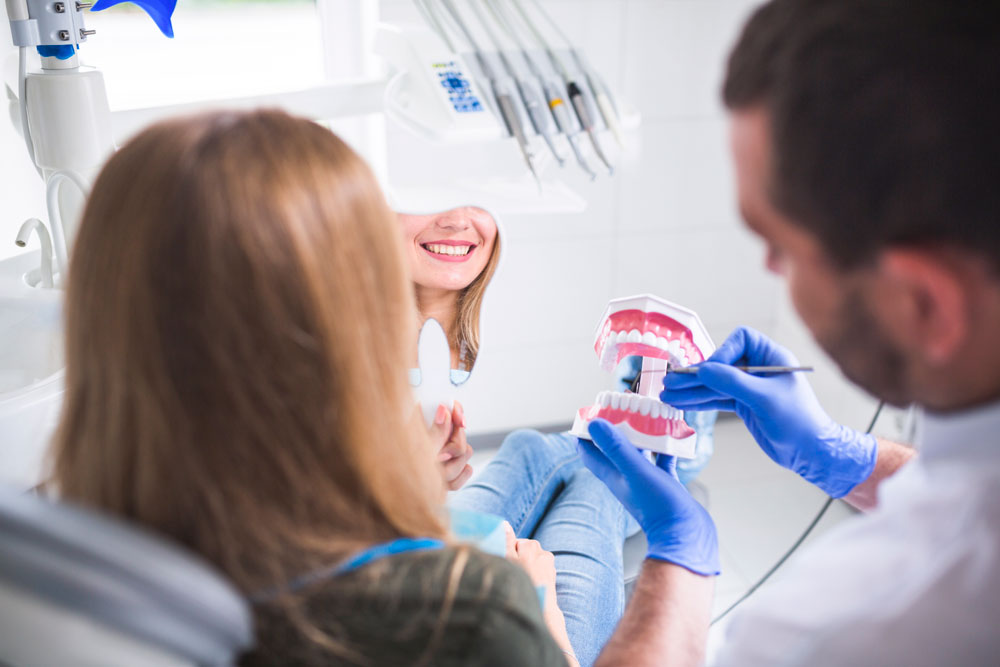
[{"x": 539, "y": 485}]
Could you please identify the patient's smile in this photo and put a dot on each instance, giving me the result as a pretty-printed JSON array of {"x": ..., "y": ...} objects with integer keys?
[{"x": 450, "y": 250}]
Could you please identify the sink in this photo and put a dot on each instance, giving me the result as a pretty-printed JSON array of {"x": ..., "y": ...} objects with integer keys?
[{"x": 31, "y": 370}]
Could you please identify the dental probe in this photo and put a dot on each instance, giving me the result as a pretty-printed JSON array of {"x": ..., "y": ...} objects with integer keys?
[
  {"x": 575, "y": 94},
  {"x": 507, "y": 109},
  {"x": 754, "y": 370},
  {"x": 540, "y": 118},
  {"x": 556, "y": 105},
  {"x": 601, "y": 94}
]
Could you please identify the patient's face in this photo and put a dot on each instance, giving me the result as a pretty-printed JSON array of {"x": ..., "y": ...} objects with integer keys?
[{"x": 448, "y": 250}]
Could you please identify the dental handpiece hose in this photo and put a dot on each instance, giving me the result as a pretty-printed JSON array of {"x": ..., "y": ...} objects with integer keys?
[
  {"x": 572, "y": 89},
  {"x": 580, "y": 105},
  {"x": 504, "y": 101},
  {"x": 601, "y": 95},
  {"x": 533, "y": 102}
]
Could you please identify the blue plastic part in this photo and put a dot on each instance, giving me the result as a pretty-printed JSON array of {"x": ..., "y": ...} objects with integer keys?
[
  {"x": 159, "y": 10},
  {"x": 62, "y": 52}
]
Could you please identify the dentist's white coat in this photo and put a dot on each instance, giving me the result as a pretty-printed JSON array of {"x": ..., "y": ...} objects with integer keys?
[{"x": 916, "y": 582}]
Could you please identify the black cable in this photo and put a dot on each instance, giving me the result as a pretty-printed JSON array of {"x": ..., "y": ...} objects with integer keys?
[{"x": 798, "y": 542}]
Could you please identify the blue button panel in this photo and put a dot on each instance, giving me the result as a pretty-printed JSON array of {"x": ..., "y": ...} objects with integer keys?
[{"x": 458, "y": 87}]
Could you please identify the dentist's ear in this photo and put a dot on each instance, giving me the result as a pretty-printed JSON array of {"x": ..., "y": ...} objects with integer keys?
[{"x": 922, "y": 300}]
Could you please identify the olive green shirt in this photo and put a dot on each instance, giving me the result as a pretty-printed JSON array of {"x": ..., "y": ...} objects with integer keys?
[{"x": 415, "y": 608}]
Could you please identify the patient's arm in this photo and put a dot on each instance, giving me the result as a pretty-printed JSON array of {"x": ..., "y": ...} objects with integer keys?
[
  {"x": 666, "y": 622},
  {"x": 891, "y": 457},
  {"x": 540, "y": 566}
]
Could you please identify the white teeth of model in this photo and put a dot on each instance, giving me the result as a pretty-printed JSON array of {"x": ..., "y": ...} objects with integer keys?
[
  {"x": 649, "y": 338},
  {"x": 622, "y": 336},
  {"x": 604, "y": 399},
  {"x": 616, "y": 399},
  {"x": 654, "y": 409},
  {"x": 674, "y": 348},
  {"x": 662, "y": 343},
  {"x": 633, "y": 402},
  {"x": 634, "y": 336},
  {"x": 645, "y": 405}
]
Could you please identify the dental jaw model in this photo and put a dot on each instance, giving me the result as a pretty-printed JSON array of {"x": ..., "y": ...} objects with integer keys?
[{"x": 661, "y": 333}]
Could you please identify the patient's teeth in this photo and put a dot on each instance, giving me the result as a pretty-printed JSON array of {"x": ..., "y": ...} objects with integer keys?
[
  {"x": 644, "y": 406},
  {"x": 634, "y": 336},
  {"x": 633, "y": 402},
  {"x": 649, "y": 338},
  {"x": 615, "y": 400}
]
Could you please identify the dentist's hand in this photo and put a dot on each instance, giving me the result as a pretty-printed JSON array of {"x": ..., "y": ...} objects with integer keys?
[
  {"x": 677, "y": 528},
  {"x": 781, "y": 411}
]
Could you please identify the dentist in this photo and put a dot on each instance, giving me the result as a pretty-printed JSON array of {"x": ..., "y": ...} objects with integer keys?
[{"x": 866, "y": 152}]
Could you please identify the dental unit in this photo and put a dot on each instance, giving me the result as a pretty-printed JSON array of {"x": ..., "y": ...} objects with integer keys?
[
  {"x": 503, "y": 96},
  {"x": 665, "y": 335},
  {"x": 572, "y": 89}
]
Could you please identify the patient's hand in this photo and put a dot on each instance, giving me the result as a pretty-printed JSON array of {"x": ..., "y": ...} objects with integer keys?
[{"x": 454, "y": 451}]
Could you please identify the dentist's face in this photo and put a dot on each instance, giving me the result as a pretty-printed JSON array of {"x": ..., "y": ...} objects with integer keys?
[
  {"x": 448, "y": 250},
  {"x": 839, "y": 307}
]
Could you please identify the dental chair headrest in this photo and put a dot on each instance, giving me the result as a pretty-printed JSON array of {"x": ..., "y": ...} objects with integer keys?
[{"x": 121, "y": 576}]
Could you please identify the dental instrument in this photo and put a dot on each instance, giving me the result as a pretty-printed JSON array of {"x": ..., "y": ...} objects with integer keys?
[
  {"x": 541, "y": 119},
  {"x": 753, "y": 370},
  {"x": 572, "y": 89},
  {"x": 597, "y": 86},
  {"x": 555, "y": 99},
  {"x": 504, "y": 99}
]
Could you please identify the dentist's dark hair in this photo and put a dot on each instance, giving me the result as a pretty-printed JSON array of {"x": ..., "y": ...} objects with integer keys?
[{"x": 883, "y": 118}]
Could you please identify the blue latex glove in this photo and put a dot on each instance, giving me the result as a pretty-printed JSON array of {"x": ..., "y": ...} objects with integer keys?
[
  {"x": 677, "y": 528},
  {"x": 781, "y": 411}
]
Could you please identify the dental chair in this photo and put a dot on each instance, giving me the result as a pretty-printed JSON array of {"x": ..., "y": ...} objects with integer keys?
[{"x": 78, "y": 588}]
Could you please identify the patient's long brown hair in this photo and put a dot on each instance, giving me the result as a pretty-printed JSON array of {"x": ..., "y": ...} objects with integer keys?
[{"x": 238, "y": 321}]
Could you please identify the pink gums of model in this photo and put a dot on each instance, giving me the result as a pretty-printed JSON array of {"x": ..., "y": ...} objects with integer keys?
[{"x": 661, "y": 332}]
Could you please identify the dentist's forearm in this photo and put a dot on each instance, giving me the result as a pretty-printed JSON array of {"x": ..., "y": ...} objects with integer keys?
[
  {"x": 666, "y": 622},
  {"x": 891, "y": 457}
]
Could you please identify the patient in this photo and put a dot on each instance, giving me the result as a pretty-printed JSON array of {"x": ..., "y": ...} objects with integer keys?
[
  {"x": 236, "y": 380},
  {"x": 452, "y": 257},
  {"x": 535, "y": 482}
]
